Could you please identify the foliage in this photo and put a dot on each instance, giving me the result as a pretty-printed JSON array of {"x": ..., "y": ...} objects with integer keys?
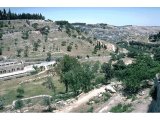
[
  {"x": 12, "y": 16},
  {"x": 90, "y": 109},
  {"x": 74, "y": 75},
  {"x": 20, "y": 92},
  {"x": 49, "y": 84},
  {"x": 35, "y": 46},
  {"x": 107, "y": 69},
  {"x": 154, "y": 37},
  {"x": 47, "y": 102},
  {"x": 48, "y": 56},
  {"x": 106, "y": 96},
  {"x": 35, "y": 25},
  {"x": 119, "y": 65},
  {"x": 63, "y": 43},
  {"x": 26, "y": 51},
  {"x": 45, "y": 30},
  {"x": 69, "y": 48},
  {"x": 66, "y": 64},
  {"x": 121, "y": 108},
  {"x": 25, "y": 35},
  {"x": 100, "y": 79},
  {"x": 19, "y": 104},
  {"x": 132, "y": 76},
  {"x": 19, "y": 52}
]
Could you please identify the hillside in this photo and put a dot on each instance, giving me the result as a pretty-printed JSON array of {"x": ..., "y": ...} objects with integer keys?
[
  {"x": 38, "y": 37},
  {"x": 118, "y": 33}
]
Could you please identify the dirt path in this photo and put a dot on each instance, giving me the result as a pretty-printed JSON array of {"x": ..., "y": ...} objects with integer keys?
[
  {"x": 113, "y": 101},
  {"x": 82, "y": 99},
  {"x": 142, "y": 104}
]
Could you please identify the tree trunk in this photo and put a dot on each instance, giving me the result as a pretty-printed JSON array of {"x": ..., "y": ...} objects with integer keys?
[{"x": 66, "y": 85}]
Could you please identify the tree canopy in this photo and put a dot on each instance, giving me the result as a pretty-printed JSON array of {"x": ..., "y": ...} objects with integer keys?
[{"x": 12, "y": 16}]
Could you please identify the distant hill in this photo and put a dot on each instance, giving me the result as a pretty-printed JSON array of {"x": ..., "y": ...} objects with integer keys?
[{"x": 118, "y": 33}]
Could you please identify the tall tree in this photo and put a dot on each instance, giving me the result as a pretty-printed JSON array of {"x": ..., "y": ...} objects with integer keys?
[{"x": 66, "y": 64}]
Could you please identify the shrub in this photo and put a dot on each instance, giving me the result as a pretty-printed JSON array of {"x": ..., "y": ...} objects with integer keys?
[
  {"x": 25, "y": 35},
  {"x": 69, "y": 48},
  {"x": 121, "y": 108},
  {"x": 99, "y": 79},
  {"x": 63, "y": 43},
  {"x": 20, "y": 92},
  {"x": 19, "y": 104},
  {"x": 35, "y": 25},
  {"x": 90, "y": 109},
  {"x": 48, "y": 56}
]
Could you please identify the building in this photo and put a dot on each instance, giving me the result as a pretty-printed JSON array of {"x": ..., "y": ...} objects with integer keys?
[{"x": 11, "y": 66}]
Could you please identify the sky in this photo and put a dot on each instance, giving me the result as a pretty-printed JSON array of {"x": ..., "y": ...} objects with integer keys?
[{"x": 118, "y": 16}]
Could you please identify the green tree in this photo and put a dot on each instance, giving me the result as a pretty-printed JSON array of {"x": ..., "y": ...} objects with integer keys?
[
  {"x": 66, "y": 64},
  {"x": 19, "y": 104},
  {"x": 108, "y": 72},
  {"x": 47, "y": 102},
  {"x": 35, "y": 25},
  {"x": 25, "y": 35},
  {"x": 19, "y": 52},
  {"x": 49, "y": 84},
  {"x": 48, "y": 56},
  {"x": 20, "y": 92},
  {"x": 74, "y": 79},
  {"x": 35, "y": 46},
  {"x": 69, "y": 48},
  {"x": 26, "y": 51},
  {"x": 87, "y": 76}
]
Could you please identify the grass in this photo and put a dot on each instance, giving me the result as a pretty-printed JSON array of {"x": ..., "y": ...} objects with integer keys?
[
  {"x": 9, "y": 93},
  {"x": 121, "y": 108}
]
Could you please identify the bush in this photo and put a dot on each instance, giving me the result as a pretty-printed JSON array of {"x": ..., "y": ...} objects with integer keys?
[
  {"x": 79, "y": 57},
  {"x": 20, "y": 92},
  {"x": 35, "y": 25},
  {"x": 106, "y": 96},
  {"x": 19, "y": 104},
  {"x": 25, "y": 35},
  {"x": 45, "y": 30},
  {"x": 48, "y": 56},
  {"x": 90, "y": 109},
  {"x": 63, "y": 43},
  {"x": 121, "y": 108},
  {"x": 69, "y": 48},
  {"x": 99, "y": 79}
]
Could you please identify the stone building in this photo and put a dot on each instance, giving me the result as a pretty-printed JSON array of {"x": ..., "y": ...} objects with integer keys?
[{"x": 11, "y": 66}]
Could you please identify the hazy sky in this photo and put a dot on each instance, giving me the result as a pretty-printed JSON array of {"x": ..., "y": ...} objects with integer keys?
[{"x": 110, "y": 15}]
